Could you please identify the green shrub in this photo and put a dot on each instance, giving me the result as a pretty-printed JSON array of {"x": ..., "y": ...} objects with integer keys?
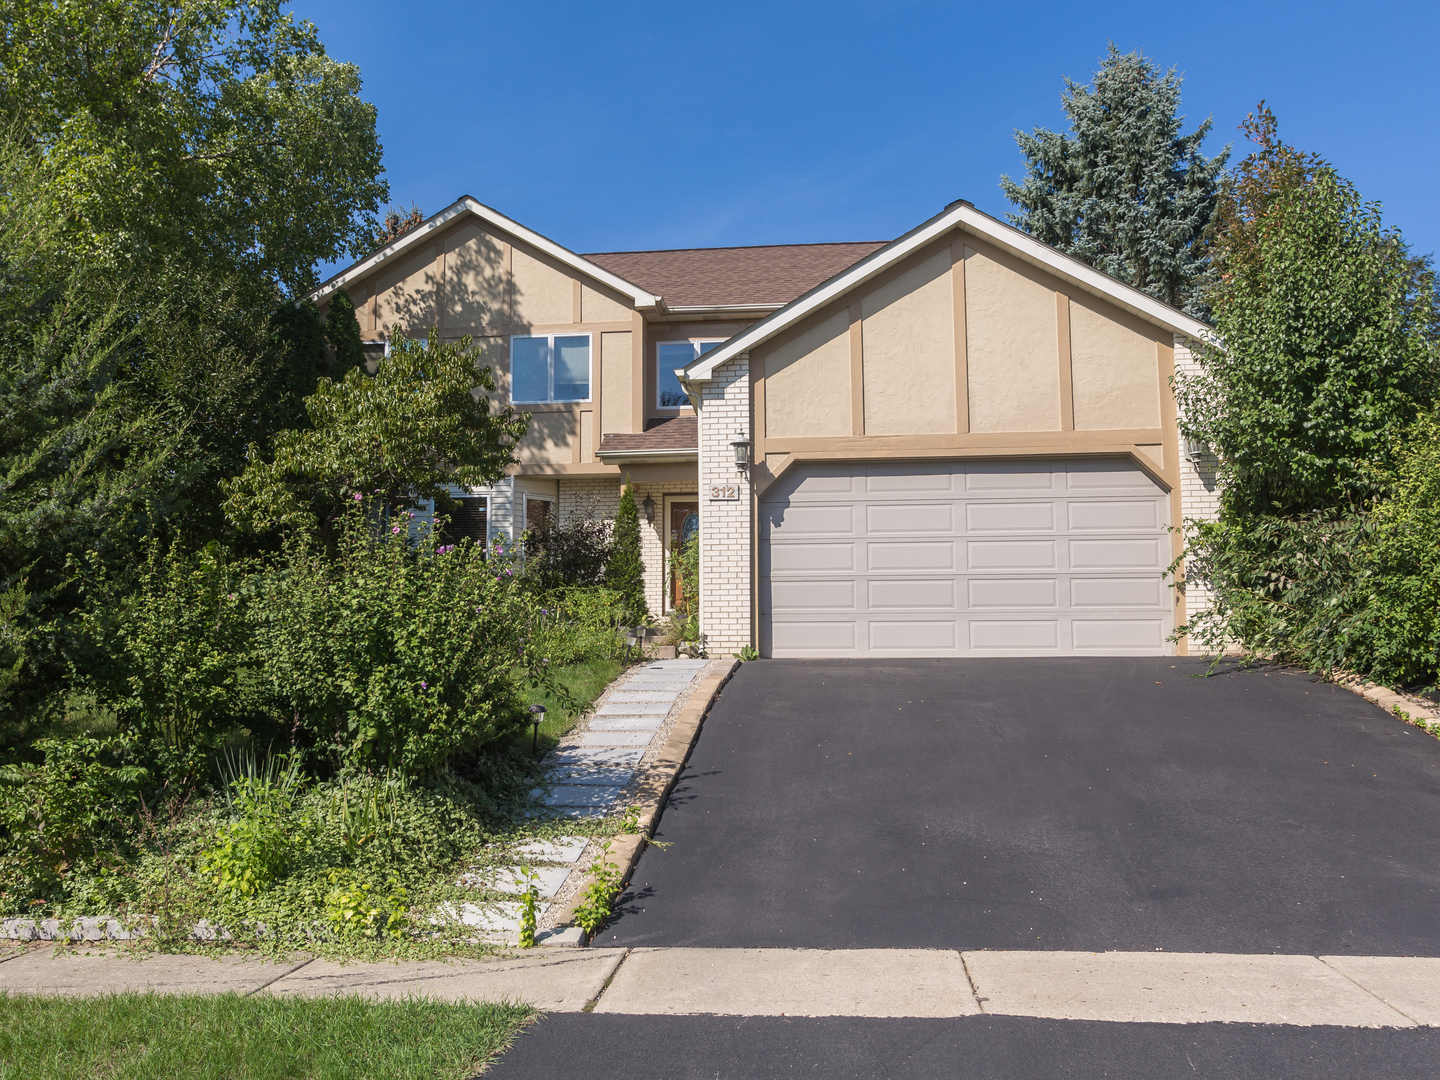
[
  {"x": 395, "y": 653},
  {"x": 176, "y": 647},
  {"x": 625, "y": 572},
  {"x": 257, "y": 847},
  {"x": 355, "y": 908},
  {"x": 72, "y": 802},
  {"x": 570, "y": 553},
  {"x": 579, "y": 624}
]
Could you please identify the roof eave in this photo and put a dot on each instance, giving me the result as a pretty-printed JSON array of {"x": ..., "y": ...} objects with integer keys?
[
  {"x": 684, "y": 454},
  {"x": 642, "y": 299}
]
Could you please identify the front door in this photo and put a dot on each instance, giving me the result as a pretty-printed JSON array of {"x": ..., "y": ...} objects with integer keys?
[{"x": 684, "y": 524}]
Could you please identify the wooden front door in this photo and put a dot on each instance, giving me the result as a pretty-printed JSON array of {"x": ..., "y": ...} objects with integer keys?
[{"x": 684, "y": 523}]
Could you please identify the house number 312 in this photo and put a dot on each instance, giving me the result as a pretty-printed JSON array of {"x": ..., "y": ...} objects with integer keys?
[{"x": 720, "y": 492}]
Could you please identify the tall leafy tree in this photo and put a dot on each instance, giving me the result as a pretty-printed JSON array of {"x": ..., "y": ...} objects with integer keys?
[
  {"x": 1329, "y": 330},
  {"x": 342, "y": 330},
  {"x": 1124, "y": 191},
  {"x": 422, "y": 422}
]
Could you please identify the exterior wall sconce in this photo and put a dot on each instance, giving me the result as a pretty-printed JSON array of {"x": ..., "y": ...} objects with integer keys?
[
  {"x": 1195, "y": 450},
  {"x": 649, "y": 505},
  {"x": 741, "y": 445}
]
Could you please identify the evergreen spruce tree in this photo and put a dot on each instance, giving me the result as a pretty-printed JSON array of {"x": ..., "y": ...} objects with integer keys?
[
  {"x": 342, "y": 330},
  {"x": 625, "y": 572},
  {"x": 1125, "y": 191}
]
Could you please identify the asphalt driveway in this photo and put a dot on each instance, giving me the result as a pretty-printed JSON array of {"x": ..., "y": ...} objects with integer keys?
[{"x": 1089, "y": 804}]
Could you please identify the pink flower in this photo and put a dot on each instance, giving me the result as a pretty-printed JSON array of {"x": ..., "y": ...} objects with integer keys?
[
  {"x": 395, "y": 529},
  {"x": 424, "y": 685},
  {"x": 358, "y": 496}
]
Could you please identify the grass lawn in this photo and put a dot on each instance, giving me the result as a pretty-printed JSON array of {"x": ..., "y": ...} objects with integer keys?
[
  {"x": 585, "y": 680},
  {"x": 227, "y": 1037}
]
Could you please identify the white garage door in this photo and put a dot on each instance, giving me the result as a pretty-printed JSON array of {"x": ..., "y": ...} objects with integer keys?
[{"x": 1018, "y": 558}]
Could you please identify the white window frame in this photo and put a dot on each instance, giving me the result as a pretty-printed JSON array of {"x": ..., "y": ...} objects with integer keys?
[
  {"x": 695, "y": 344},
  {"x": 550, "y": 339}
]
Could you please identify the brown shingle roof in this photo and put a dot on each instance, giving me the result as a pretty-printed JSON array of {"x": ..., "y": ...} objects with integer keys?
[
  {"x": 676, "y": 433},
  {"x": 706, "y": 277}
]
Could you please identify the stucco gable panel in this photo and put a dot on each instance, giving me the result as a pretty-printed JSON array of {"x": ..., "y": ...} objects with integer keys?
[
  {"x": 908, "y": 349},
  {"x": 1011, "y": 351},
  {"x": 807, "y": 382}
]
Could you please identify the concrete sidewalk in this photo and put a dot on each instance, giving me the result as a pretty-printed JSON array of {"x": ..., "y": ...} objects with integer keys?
[{"x": 1349, "y": 991}]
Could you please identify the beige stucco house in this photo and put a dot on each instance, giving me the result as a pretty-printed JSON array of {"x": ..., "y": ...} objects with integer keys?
[{"x": 961, "y": 442}]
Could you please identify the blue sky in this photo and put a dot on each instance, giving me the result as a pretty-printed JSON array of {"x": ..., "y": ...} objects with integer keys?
[{"x": 612, "y": 126}]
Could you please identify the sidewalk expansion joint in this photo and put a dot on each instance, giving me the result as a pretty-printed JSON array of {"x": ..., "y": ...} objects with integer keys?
[
  {"x": 590, "y": 1005},
  {"x": 284, "y": 974},
  {"x": 974, "y": 990},
  {"x": 1389, "y": 1005}
]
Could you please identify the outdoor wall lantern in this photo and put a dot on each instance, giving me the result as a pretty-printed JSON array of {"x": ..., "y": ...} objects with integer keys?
[
  {"x": 741, "y": 445},
  {"x": 1195, "y": 449},
  {"x": 649, "y": 505},
  {"x": 537, "y": 717}
]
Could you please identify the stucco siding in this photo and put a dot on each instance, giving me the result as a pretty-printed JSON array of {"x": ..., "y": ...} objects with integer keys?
[
  {"x": 807, "y": 382},
  {"x": 1011, "y": 348},
  {"x": 406, "y": 294},
  {"x": 1114, "y": 370},
  {"x": 540, "y": 293},
  {"x": 601, "y": 306},
  {"x": 616, "y": 388},
  {"x": 550, "y": 438},
  {"x": 908, "y": 336},
  {"x": 475, "y": 285}
]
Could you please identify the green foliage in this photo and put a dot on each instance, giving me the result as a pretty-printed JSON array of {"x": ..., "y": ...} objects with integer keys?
[
  {"x": 255, "y": 848},
  {"x": 595, "y": 905},
  {"x": 217, "y": 131},
  {"x": 175, "y": 649},
  {"x": 67, "y": 807},
  {"x": 262, "y": 1037},
  {"x": 749, "y": 652},
  {"x": 417, "y": 426},
  {"x": 625, "y": 571},
  {"x": 1328, "y": 331},
  {"x": 569, "y": 553},
  {"x": 579, "y": 624},
  {"x": 529, "y": 904},
  {"x": 1353, "y": 590},
  {"x": 1125, "y": 191},
  {"x": 355, "y": 908},
  {"x": 394, "y": 653},
  {"x": 342, "y": 330},
  {"x": 687, "y": 569}
]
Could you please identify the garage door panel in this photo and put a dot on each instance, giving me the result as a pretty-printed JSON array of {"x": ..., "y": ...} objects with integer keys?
[
  {"x": 935, "y": 479},
  {"x": 1106, "y": 635},
  {"x": 836, "y": 636},
  {"x": 1010, "y": 517},
  {"x": 899, "y": 595},
  {"x": 938, "y": 518},
  {"x": 1018, "y": 557},
  {"x": 1010, "y": 636},
  {"x": 1011, "y": 554},
  {"x": 911, "y": 555},
  {"x": 1009, "y": 476},
  {"x": 811, "y": 595},
  {"x": 998, "y": 594},
  {"x": 912, "y": 634},
  {"x": 1128, "y": 592},
  {"x": 802, "y": 520},
  {"x": 781, "y": 558},
  {"x": 1116, "y": 554},
  {"x": 1112, "y": 515}
]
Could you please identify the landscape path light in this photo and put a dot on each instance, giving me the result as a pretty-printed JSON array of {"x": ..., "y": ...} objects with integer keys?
[{"x": 537, "y": 717}]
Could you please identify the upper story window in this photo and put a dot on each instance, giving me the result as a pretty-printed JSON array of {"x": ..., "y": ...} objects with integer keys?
[
  {"x": 550, "y": 367},
  {"x": 670, "y": 355}
]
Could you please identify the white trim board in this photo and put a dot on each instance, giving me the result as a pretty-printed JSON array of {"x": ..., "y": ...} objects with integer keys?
[{"x": 963, "y": 216}]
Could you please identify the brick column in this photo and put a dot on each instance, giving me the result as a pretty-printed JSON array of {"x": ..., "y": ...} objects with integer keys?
[
  {"x": 726, "y": 569},
  {"x": 1199, "y": 491}
]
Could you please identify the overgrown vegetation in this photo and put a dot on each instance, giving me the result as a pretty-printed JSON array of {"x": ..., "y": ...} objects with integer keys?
[{"x": 1320, "y": 405}]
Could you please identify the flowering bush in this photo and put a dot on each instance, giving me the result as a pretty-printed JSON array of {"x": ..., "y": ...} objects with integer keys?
[{"x": 397, "y": 652}]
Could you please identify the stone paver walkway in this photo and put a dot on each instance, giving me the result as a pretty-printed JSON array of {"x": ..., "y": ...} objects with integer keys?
[{"x": 1167, "y": 988}]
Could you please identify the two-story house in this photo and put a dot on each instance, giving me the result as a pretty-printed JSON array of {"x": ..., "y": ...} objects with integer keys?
[{"x": 961, "y": 442}]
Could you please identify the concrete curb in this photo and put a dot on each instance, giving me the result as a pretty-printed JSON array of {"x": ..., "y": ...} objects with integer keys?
[
  {"x": 656, "y": 783},
  {"x": 1404, "y": 706}
]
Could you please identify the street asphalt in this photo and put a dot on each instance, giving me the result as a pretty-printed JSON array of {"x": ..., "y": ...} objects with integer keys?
[
  {"x": 1087, "y": 804},
  {"x": 989, "y": 1047}
]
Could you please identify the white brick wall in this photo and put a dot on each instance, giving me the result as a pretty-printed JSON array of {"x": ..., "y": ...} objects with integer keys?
[
  {"x": 726, "y": 528},
  {"x": 1199, "y": 493}
]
